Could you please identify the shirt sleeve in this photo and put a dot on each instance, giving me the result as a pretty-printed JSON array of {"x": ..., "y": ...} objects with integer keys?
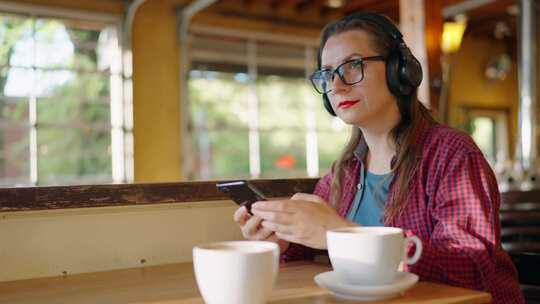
[
  {"x": 462, "y": 247},
  {"x": 300, "y": 252}
]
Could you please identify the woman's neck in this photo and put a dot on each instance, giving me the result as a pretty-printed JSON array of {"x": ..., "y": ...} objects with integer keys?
[
  {"x": 381, "y": 148},
  {"x": 380, "y": 153}
]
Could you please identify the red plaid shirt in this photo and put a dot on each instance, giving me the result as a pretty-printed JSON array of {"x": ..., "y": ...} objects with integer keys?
[{"x": 453, "y": 207}]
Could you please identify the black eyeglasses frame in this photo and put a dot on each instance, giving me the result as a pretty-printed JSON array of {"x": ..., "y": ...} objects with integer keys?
[{"x": 337, "y": 71}]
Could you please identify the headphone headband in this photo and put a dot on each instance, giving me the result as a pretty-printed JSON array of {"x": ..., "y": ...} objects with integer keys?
[{"x": 379, "y": 20}]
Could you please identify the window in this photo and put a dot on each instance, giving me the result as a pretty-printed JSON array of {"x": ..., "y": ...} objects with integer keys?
[
  {"x": 253, "y": 112},
  {"x": 61, "y": 101},
  {"x": 484, "y": 135},
  {"x": 488, "y": 128}
]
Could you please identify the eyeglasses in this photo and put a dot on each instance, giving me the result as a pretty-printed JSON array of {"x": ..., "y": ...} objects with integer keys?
[{"x": 350, "y": 72}]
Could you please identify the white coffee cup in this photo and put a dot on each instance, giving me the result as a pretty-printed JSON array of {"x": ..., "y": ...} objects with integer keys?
[
  {"x": 240, "y": 272},
  {"x": 369, "y": 255}
]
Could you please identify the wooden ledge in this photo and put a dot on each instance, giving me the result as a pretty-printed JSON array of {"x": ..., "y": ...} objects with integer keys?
[
  {"x": 60, "y": 197},
  {"x": 518, "y": 197}
]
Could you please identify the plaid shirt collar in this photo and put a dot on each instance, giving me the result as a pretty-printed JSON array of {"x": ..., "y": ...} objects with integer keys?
[{"x": 362, "y": 148}]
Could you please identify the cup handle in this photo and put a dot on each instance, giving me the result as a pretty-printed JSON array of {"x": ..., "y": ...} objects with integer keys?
[{"x": 417, "y": 252}]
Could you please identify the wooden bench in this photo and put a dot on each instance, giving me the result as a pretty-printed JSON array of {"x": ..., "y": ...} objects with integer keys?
[
  {"x": 520, "y": 236},
  {"x": 520, "y": 221}
]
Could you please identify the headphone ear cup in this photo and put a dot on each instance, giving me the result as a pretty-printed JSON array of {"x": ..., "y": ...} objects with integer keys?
[
  {"x": 410, "y": 71},
  {"x": 328, "y": 105},
  {"x": 403, "y": 72},
  {"x": 392, "y": 74}
]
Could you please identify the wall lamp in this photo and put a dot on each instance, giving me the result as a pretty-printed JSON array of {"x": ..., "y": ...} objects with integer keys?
[{"x": 453, "y": 33}]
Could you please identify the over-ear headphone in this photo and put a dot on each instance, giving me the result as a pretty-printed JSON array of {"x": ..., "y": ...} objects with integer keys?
[{"x": 403, "y": 70}]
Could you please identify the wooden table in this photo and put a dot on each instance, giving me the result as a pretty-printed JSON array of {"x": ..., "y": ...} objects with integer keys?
[{"x": 176, "y": 284}]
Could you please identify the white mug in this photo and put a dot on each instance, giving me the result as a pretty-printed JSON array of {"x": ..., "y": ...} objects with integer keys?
[
  {"x": 240, "y": 272},
  {"x": 369, "y": 255}
]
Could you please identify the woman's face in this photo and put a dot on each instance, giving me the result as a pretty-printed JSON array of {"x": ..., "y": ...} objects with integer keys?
[{"x": 369, "y": 103}]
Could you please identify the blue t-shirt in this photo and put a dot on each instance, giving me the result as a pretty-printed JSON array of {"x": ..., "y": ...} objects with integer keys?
[{"x": 368, "y": 204}]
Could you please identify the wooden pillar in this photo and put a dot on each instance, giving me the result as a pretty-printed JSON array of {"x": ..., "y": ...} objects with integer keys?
[
  {"x": 156, "y": 97},
  {"x": 412, "y": 25},
  {"x": 434, "y": 26},
  {"x": 421, "y": 24}
]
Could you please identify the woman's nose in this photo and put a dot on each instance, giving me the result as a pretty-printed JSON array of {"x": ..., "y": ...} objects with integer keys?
[{"x": 338, "y": 84}]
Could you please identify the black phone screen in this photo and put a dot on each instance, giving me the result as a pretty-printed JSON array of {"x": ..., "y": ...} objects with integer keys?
[{"x": 241, "y": 192}]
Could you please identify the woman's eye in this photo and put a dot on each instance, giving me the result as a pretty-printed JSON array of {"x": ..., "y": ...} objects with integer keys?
[{"x": 356, "y": 64}]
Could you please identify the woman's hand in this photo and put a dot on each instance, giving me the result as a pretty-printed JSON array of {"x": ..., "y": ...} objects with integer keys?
[
  {"x": 303, "y": 219},
  {"x": 250, "y": 225},
  {"x": 252, "y": 230}
]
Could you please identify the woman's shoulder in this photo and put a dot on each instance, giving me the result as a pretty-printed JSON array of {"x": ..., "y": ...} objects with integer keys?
[
  {"x": 444, "y": 138},
  {"x": 445, "y": 148}
]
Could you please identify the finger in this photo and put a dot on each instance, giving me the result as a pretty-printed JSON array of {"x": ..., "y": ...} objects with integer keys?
[
  {"x": 277, "y": 205},
  {"x": 241, "y": 216},
  {"x": 307, "y": 197},
  {"x": 278, "y": 228},
  {"x": 251, "y": 226},
  {"x": 262, "y": 234},
  {"x": 272, "y": 216},
  {"x": 272, "y": 237}
]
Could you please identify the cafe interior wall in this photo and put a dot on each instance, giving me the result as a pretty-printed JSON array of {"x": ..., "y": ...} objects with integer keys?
[
  {"x": 470, "y": 88},
  {"x": 65, "y": 242}
]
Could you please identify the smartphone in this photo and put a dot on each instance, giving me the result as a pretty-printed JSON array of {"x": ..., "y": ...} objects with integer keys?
[{"x": 242, "y": 192}]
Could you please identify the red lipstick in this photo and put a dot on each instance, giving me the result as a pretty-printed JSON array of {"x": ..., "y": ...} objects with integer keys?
[{"x": 345, "y": 104}]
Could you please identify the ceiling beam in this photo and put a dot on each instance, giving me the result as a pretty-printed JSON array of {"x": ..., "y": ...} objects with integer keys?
[
  {"x": 499, "y": 7},
  {"x": 463, "y": 7},
  {"x": 277, "y": 4},
  {"x": 309, "y": 5},
  {"x": 387, "y": 7},
  {"x": 355, "y": 5}
]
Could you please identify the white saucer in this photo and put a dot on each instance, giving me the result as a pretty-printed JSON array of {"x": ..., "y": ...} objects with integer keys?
[{"x": 329, "y": 280}]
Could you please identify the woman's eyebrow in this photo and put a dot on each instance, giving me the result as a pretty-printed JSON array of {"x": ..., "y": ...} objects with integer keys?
[{"x": 329, "y": 67}]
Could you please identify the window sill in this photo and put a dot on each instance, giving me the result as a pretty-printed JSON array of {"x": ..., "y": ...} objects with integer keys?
[{"x": 89, "y": 196}]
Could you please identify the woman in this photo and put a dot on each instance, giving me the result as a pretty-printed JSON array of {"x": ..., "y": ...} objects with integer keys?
[{"x": 400, "y": 168}]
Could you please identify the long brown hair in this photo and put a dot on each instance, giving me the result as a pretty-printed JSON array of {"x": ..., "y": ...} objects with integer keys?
[{"x": 413, "y": 116}]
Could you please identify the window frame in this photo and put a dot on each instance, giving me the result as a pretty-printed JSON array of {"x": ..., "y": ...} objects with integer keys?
[
  {"x": 501, "y": 118},
  {"x": 252, "y": 39},
  {"x": 120, "y": 96}
]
